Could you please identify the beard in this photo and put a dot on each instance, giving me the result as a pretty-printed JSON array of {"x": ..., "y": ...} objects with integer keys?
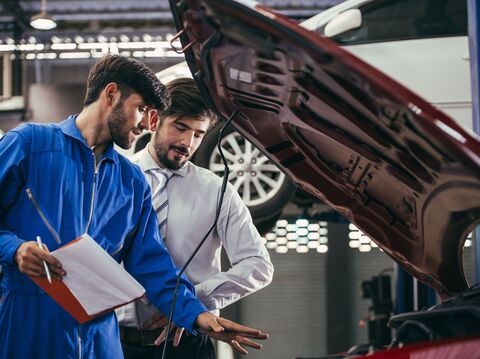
[
  {"x": 162, "y": 155},
  {"x": 119, "y": 130}
]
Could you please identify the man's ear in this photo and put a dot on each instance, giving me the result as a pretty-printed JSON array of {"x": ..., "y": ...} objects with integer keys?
[
  {"x": 111, "y": 91},
  {"x": 153, "y": 119}
]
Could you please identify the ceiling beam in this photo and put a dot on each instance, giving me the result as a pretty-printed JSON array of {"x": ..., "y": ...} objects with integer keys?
[{"x": 15, "y": 9}]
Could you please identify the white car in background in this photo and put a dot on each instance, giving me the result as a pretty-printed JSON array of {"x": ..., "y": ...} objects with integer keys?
[{"x": 423, "y": 44}]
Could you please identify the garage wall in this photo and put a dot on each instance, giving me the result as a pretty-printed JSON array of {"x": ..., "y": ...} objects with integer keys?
[
  {"x": 49, "y": 103},
  {"x": 292, "y": 309}
]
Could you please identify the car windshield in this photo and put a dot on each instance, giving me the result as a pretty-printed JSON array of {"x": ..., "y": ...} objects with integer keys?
[{"x": 392, "y": 20}]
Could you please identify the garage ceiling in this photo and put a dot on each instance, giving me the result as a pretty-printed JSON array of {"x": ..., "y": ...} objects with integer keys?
[
  {"x": 122, "y": 15},
  {"x": 90, "y": 28}
]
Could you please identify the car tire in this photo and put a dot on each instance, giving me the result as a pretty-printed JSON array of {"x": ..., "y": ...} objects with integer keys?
[
  {"x": 270, "y": 189},
  {"x": 267, "y": 224}
]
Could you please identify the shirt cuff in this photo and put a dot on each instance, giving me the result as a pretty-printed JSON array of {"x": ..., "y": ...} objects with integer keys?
[{"x": 203, "y": 296}]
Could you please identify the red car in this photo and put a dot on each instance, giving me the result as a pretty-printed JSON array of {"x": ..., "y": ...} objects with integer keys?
[{"x": 403, "y": 172}]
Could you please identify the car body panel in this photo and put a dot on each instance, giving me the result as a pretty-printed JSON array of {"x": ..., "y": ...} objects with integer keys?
[
  {"x": 464, "y": 348},
  {"x": 403, "y": 172}
]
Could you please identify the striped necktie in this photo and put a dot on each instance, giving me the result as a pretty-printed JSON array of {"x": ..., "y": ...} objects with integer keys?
[{"x": 160, "y": 198}]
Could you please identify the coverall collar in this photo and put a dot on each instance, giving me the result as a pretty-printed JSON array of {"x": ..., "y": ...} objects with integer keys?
[{"x": 69, "y": 127}]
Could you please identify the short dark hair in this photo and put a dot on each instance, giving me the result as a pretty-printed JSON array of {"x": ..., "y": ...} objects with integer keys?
[
  {"x": 186, "y": 101},
  {"x": 130, "y": 75}
]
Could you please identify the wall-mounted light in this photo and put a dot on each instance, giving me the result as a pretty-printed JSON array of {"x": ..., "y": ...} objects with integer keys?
[{"x": 43, "y": 21}]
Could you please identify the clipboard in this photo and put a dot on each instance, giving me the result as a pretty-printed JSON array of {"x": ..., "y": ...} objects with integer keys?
[{"x": 94, "y": 284}]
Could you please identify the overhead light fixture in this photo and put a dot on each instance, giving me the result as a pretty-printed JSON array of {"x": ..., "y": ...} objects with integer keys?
[{"x": 43, "y": 21}]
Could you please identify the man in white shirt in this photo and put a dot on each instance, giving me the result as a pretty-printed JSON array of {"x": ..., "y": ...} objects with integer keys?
[{"x": 192, "y": 194}]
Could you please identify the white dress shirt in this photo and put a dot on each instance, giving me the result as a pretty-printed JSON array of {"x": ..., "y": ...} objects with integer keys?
[{"x": 193, "y": 194}]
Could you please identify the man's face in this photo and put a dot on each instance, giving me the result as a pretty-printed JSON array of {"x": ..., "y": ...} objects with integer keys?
[
  {"x": 127, "y": 120},
  {"x": 177, "y": 139}
]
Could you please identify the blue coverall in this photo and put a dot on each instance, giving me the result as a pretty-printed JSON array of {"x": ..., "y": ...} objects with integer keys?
[{"x": 51, "y": 187}]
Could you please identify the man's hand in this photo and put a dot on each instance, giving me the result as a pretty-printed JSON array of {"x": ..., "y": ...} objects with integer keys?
[
  {"x": 176, "y": 338},
  {"x": 229, "y": 332},
  {"x": 30, "y": 257},
  {"x": 159, "y": 320}
]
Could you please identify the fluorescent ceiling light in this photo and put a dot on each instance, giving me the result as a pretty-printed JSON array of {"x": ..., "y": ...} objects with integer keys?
[{"x": 43, "y": 21}]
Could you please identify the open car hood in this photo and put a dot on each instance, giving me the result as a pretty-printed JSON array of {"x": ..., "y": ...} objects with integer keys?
[{"x": 403, "y": 172}]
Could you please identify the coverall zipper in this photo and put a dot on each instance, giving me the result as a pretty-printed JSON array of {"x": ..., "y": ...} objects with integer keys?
[
  {"x": 35, "y": 203},
  {"x": 95, "y": 171},
  {"x": 79, "y": 343},
  {"x": 117, "y": 250}
]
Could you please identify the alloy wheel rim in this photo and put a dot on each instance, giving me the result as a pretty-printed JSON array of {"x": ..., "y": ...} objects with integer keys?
[{"x": 252, "y": 174}]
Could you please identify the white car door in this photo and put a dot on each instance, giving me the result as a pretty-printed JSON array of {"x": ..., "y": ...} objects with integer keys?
[{"x": 422, "y": 44}]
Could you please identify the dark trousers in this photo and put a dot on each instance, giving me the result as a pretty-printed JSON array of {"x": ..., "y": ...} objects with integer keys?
[{"x": 190, "y": 347}]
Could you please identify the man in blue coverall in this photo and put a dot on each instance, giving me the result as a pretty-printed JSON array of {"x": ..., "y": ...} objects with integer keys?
[{"x": 60, "y": 181}]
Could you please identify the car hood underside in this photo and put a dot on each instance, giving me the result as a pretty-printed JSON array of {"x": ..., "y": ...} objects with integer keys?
[{"x": 400, "y": 170}]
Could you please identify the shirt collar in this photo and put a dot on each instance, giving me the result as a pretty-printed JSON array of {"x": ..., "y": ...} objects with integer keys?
[
  {"x": 147, "y": 163},
  {"x": 69, "y": 127}
]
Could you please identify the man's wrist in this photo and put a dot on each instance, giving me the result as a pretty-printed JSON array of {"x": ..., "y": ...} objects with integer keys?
[
  {"x": 16, "y": 254},
  {"x": 9, "y": 250}
]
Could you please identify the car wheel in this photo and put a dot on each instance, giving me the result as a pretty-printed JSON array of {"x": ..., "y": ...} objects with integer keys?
[{"x": 262, "y": 186}]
